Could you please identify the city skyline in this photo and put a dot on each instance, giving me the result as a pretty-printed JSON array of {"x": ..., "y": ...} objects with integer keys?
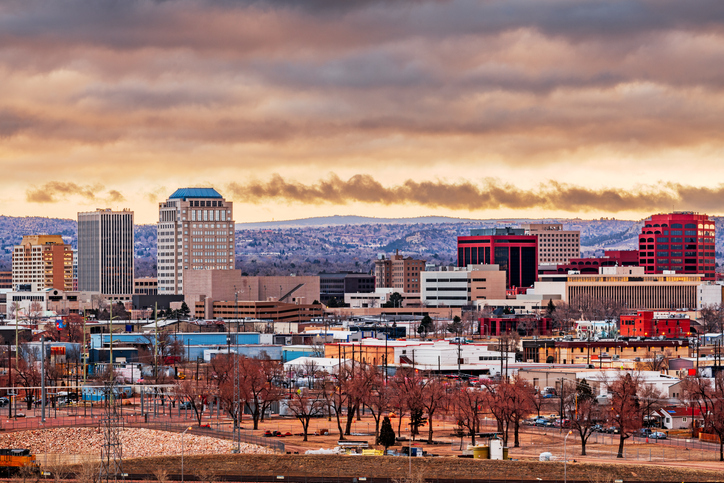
[{"x": 473, "y": 109}]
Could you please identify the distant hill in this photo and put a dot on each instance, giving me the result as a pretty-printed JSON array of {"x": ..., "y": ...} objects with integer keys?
[
  {"x": 347, "y": 243},
  {"x": 340, "y": 220}
]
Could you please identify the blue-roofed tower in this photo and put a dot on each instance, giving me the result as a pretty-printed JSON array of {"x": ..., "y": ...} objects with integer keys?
[{"x": 195, "y": 232}]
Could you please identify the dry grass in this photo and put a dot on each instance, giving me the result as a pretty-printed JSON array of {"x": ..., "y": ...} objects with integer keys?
[{"x": 397, "y": 468}]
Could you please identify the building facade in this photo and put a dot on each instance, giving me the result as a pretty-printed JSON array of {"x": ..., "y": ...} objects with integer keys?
[
  {"x": 628, "y": 285},
  {"x": 195, "y": 232},
  {"x": 515, "y": 252},
  {"x": 208, "y": 286},
  {"x": 336, "y": 285},
  {"x": 462, "y": 286},
  {"x": 647, "y": 323},
  {"x": 145, "y": 286},
  {"x": 680, "y": 241},
  {"x": 611, "y": 258},
  {"x": 6, "y": 279},
  {"x": 273, "y": 310},
  {"x": 398, "y": 272},
  {"x": 42, "y": 261},
  {"x": 555, "y": 245},
  {"x": 105, "y": 252}
]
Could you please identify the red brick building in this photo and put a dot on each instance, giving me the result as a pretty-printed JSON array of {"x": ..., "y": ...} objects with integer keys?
[
  {"x": 523, "y": 324},
  {"x": 647, "y": 323},
  {"x": 611, "y": 258},
  {"x": 680, "y": 241}
]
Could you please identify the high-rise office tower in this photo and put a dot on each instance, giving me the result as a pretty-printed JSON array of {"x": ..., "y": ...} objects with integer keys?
[
  {"x": 515, "y": 252},
  {"x": 195, "y": 232},
  {"x": 555, "y": 245},
  {"x": 42, "y": 261},
  {"x": 680, "y": 241},
  {"x": 105, "y": 252}
]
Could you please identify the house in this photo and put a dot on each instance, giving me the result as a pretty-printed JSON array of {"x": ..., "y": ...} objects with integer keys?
[{"x": 678, "y": 417}]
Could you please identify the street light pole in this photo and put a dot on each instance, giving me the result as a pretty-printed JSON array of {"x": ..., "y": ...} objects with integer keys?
[
  {"x": 565, "y": 458},
  {"x": 182, "y": 453}
]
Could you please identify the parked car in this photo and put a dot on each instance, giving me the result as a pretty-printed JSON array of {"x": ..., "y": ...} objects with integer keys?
[
  {"x": 657, "y": 435},
  {"x": 541, "y": 422},
  {"x": 529, "y": 422}
]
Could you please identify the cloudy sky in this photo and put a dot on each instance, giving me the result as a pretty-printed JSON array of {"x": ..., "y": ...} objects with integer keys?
[{"x": 297, "y": 108}]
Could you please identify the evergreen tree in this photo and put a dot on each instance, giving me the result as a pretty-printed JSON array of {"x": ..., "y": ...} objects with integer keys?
[
  {"x": 456, "y": 327},
  {"x": 550, "y": 308},
  {"x": 185, "y": 311},
  {"x": 387, "y": 434},
  {"x": 395, "y": 300},
  {"x": 425, "y": 326}
]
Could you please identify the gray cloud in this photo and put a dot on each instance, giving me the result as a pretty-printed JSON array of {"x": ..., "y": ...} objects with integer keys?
[
  {"x": 57, "y": 191},
  {"x": 490, "y": 194}
]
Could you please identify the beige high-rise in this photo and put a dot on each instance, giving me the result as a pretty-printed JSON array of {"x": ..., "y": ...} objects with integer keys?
[
  {"x": 195, "y": 232},
  {"x": 555, "y": 245},
  {"x": 42, "y": 261}
]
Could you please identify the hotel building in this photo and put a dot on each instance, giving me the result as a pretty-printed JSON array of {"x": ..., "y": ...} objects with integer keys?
[{"x": 195, "y": 232}]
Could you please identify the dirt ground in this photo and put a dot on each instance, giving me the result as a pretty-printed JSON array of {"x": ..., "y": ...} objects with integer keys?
[
  {"x": 429, "y": 468},
  {"x": 667, "y": 463}
]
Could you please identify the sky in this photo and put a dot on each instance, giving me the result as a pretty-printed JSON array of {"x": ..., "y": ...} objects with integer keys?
[{"x": 293, "y": 109}]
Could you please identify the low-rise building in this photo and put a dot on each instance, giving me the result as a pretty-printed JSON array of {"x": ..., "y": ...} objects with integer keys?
[
  {"x": 462, "y": 286},
  {"x": 274, "y": 311},
  {"x": 337, "y": 285},
  {"x": 649, "y": 323},
  {"x": 441, "y": 356},
  {"x": 628, "y": 285}
]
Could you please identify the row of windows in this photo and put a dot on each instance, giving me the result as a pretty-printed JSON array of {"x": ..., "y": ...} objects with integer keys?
[
  {"x": 210, "y": 225},
  {"x": 208, "y": 203},
  {"x": 208, "y": 215}
]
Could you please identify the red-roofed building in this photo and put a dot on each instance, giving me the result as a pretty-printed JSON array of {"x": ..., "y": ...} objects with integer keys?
[{"x": 678, "y": 417}]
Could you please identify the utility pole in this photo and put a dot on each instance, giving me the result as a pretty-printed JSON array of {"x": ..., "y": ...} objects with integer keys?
[
  {"x": 560, "y": 415},
  {"x": 10, "y": 382},
  {"x": 42, "y": 378},
  {"x": 85, "y": 359},
  {"x": 155, "y": 342},
  {"x": 110, "y": 324}
]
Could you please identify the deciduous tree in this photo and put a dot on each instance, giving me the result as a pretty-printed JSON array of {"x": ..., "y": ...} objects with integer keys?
[
  {"x": 306, "y": 404},
  {"x": 625, "y": 411},
  {"x": 468, "y": 403}
]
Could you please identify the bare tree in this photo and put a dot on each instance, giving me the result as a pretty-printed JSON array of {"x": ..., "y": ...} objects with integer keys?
[
  {"x": 197, "y": 394},
  {"x": 469, "y": 402},
  {"x": 564, "y": 316},
  {"x": 378, "y": 396},
  {"x": 711, "y": 318},
  {"x": 584, "y": 413},
  {"x": 709, "y": 400},
  {"x": 305, "y": 405},
  {"x": 625, "y": 410},
  {"x": 433, "y": 398}
]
